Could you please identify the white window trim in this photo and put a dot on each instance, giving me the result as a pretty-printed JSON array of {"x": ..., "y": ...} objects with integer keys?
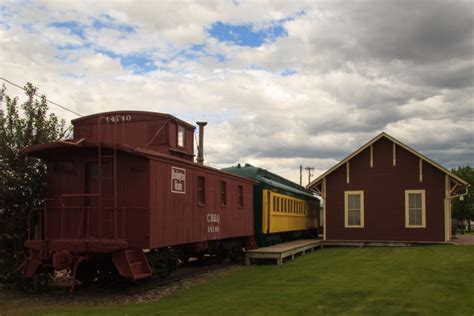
[
  {"x": 423, "y": 209},
  {"x": 178, "y": 128},
  {"x": 346, "y": 209}
]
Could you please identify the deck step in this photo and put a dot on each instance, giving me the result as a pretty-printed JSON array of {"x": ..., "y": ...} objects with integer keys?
[
  {"x": 282, "y": 251},
  {"x": 132, "y": 264},
  {"x": 141, "y": 276}
]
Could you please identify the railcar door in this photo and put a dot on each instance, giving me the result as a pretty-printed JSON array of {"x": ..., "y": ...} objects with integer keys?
[{"x": 98, "y": 200}]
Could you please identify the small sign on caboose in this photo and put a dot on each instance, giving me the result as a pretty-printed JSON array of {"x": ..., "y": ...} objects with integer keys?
[{"x": 178, "y": 180}]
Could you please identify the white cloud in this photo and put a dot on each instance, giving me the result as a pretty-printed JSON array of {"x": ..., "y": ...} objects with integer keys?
[{"x": 357, "y": 71}]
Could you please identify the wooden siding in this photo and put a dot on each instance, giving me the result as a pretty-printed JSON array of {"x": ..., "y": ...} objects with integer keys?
[
  {"x": 153, "y": 131},
  {"x": 384, "y": 188},
  {"x": 132, "y": 176},
  {"x": 178, "y": 219}
]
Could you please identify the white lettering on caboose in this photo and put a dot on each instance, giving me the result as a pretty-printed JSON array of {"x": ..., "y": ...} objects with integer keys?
[
  {"x": 213, "y": 218},
  {"x": 178, "y": 180},
  {"x": 118, "y": 118},
  {"x": 213, "y": 221}
]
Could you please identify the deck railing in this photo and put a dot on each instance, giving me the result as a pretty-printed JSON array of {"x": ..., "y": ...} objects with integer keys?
[{"x": 83, "y": 222}]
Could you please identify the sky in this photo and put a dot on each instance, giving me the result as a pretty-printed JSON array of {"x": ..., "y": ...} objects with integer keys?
[{"x": 281, "y": 83}]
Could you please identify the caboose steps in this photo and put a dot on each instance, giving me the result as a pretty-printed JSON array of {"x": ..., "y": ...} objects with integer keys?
[
  {"x": 282, "y": 251},
  {"x": 132, "y": 264}
]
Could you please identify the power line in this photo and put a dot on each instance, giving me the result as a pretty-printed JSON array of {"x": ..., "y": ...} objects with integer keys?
[
  {"x": 309, "y": 173},
  {"x": 49, "y": 101}
]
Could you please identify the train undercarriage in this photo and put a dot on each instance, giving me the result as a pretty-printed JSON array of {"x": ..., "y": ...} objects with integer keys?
[{"x": 89, "y": 261}]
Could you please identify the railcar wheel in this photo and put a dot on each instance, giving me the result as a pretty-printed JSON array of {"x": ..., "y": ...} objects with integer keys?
[
  {"x": 86, "y": 273},
  {"x": 221, "y": 255},
  {"x": 163, "y": 262},
  {"x": 184, "y": 258},
  {"x": 42, "y": 281},
  {"x": 236, "y": 253}
]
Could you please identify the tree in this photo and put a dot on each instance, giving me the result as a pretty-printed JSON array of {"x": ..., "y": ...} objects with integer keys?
[
  {"x": 464, "y": 210},
  {"x": 22, "y": 179}
]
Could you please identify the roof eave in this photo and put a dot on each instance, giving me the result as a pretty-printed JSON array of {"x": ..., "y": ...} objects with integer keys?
[{"x": 396, "y": 141}]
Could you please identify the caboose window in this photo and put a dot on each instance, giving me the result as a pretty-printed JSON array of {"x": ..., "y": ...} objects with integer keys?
[
  {"x": 240, "y": 195},
  {"x": 180, "y": 136},
  {"x": 223, "y": 194},
  {"x": 64, "y": 166},
  {"x": 201, "y": 186}
]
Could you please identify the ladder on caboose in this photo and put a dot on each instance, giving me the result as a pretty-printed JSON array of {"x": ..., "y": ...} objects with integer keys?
[{"x": 101, "y": 158}]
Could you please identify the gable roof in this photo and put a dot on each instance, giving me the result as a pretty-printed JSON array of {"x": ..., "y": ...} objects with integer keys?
[{"x": 456, "y": 178}]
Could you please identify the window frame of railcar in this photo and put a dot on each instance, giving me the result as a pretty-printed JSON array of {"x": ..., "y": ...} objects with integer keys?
[
  {"x": 180, "y": 136},
  {"x": 288, "y": 205},
  {"x": 201, "y": 191},
  {"x": 223, "y": 193},
  {"x": 64, "y": 166},
  {"x": 240, "y": 196}
]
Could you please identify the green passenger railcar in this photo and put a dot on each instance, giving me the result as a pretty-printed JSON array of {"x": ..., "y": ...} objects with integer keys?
[{"x": 283, "y": 210}]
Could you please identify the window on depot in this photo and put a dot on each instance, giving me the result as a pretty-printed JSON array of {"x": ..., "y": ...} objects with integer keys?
[
  {"x": 354, "y": 209},
  {"x": 181, "y": 136},
  {"x": 223, "y": 194},
  {"x": 240, "y": 195},
  {"x": 415, "y": 209},
  {"x": 201, "y": 191}
]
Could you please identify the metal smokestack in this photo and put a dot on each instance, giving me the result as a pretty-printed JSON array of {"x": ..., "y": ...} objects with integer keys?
[{"x": 200, "y": 156}]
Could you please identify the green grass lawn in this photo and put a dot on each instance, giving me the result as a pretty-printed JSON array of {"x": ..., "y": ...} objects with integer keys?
[{"x": 423, "y": 280}]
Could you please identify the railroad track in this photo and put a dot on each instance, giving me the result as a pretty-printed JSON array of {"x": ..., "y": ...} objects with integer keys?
[
  {"x": 120, "y": 287},
  {"x": 184, "y": 272}
]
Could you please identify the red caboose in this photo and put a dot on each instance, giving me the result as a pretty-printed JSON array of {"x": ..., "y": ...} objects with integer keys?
[{"x": 126, "y": 191}]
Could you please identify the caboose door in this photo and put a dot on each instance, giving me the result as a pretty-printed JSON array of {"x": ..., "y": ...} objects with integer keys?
[{"x": 98, "y": 200}]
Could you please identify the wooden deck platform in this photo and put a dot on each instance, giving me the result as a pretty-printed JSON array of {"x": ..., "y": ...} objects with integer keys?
[{"x": 282, "y": 251}]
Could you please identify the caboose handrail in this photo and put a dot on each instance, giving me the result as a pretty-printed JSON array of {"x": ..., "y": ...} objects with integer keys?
[
  {"x": 75, "y": 195},
  {"x": 82, "y": 228},
  {"x": 40, "y": 222}
]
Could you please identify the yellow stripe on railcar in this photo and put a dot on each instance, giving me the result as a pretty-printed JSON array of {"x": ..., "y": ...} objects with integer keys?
[{"x": 282, "y": 213}]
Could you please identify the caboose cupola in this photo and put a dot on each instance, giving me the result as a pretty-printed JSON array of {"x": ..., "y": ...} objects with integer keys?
[{"x": 148, "y": 130}]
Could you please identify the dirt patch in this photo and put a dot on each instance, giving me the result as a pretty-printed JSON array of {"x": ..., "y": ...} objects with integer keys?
[
  {"x": 463, "y": 240},
  {"x": 14, "y": 303}
]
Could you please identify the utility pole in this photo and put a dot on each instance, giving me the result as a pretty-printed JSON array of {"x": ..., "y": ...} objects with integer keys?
[
  {"x": 301, "y": 174},
  {"x": 309, "y": 173}
]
